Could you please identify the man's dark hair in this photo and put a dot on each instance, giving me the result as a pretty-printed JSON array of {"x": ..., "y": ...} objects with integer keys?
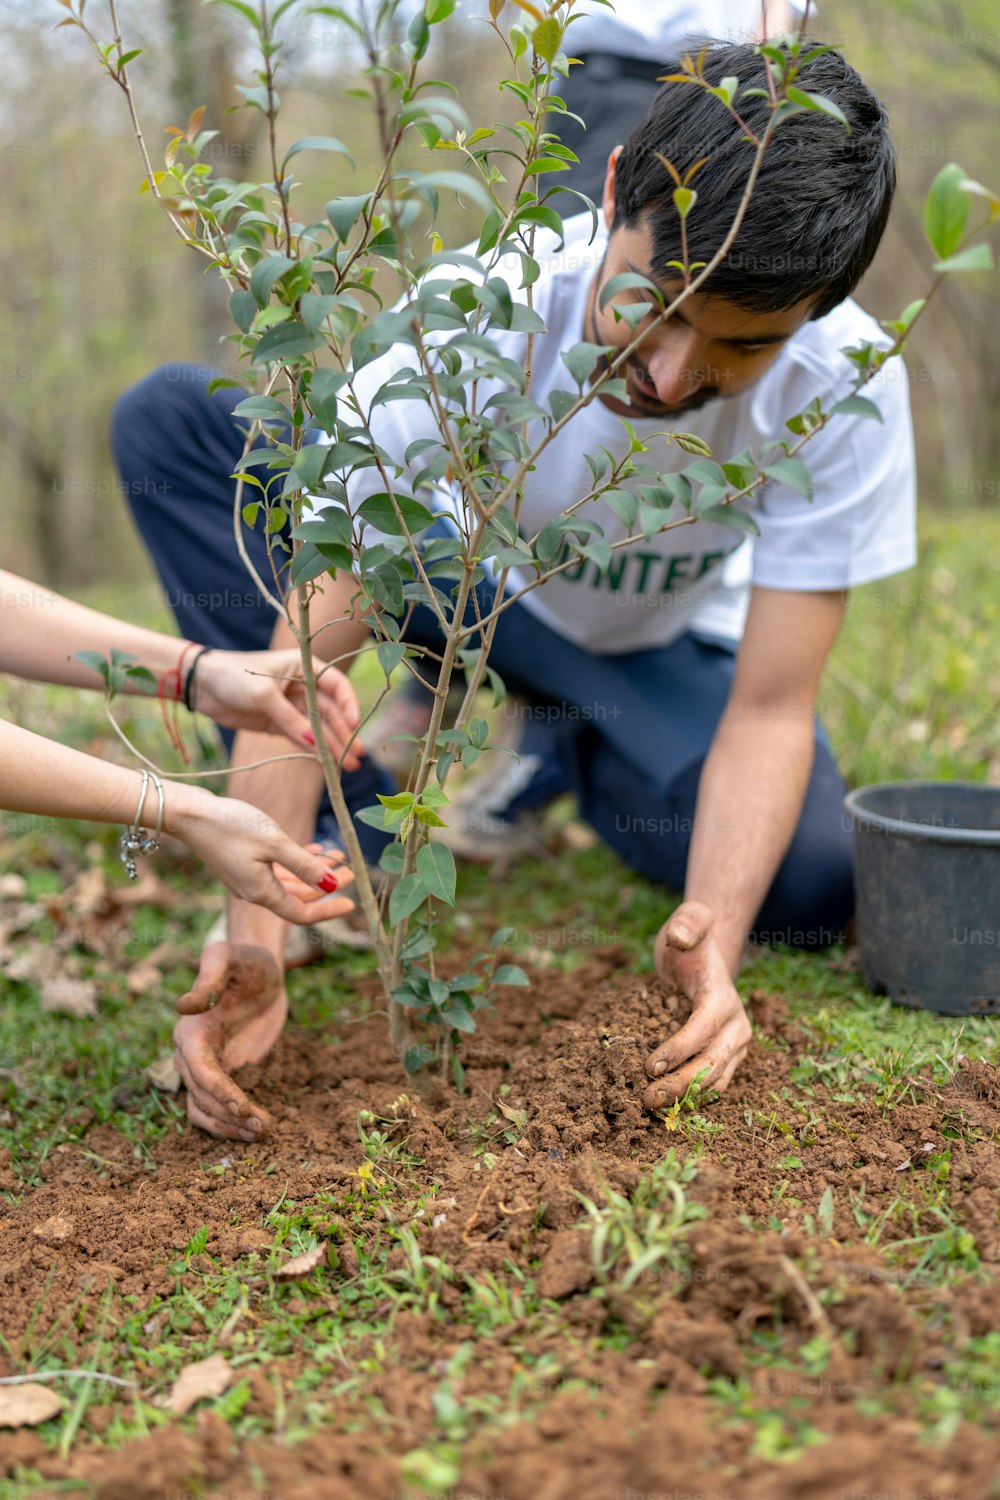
[{"x": 821, "y": 201}]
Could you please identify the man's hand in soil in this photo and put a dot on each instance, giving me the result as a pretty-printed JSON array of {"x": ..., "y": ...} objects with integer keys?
[
  {"x": 718, "y": 1033},
  {"x": 233, "y": 1015}
]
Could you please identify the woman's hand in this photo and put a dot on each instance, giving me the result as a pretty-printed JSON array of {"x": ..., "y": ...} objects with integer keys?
[
  {"x": 254, "y": 857},
  {"x": 263, "y": 691}
]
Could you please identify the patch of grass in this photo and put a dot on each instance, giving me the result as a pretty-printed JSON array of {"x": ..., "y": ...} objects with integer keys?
[{"x": 632, "y": 1235}]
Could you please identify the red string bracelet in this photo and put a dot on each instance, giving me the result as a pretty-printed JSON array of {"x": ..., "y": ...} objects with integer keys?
[{"x": 170, "y": 692}]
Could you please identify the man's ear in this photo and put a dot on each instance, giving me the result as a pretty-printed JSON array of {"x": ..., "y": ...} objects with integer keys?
[{"x": 608, "y": 200}]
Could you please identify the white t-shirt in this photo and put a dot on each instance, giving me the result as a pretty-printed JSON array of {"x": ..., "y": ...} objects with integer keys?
[
  {"x": 650, "y": 29},
  {"x": 860, "y": 525}
]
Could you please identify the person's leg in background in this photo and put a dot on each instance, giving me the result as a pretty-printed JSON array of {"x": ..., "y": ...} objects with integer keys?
[
  {"x": 631, "y": 734},
  {"x": 176, "y": 446}
]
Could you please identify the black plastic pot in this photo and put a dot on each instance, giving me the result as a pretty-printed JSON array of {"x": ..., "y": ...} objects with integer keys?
[{"x": 927, "y": 870}]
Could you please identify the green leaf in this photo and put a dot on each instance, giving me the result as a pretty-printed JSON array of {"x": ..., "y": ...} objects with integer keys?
[
  {"x": 265, "y": 273},
  {"x": 560, "y": 403},
  {"x": 599, "y": 552},
  {"x": 419, "y": 35},
  {"x": 624, "y": 504},
  {"x": 264, "y": 409},
  {"x": 287, "y": 341},
  {"x": 323, "y": 390},
  {"x": 726, "y": 89},
  {"x": 540, "y": 213},
  {"x": 457, "y": 1016},
  {"x": 688, "y": 442},
  {"x": 732, "y": 516},
  {"x": 390, "y": 654},
  {"x": 512, "y": 974},
  {"x": 307, "y": 565},
  {"x": 684, "y": 200},
  {"x": 972, "y": 258},
  {"x": 946, "y": 210},
  {"x": 308, "y": 471},
  {"x": 819, "y": 102},
  {"x": 582, "y": 360},
  {"x": 416, "y": 1059},
  {"x": 706, "y": 471},
  {"x": 317, "y": 143},
  {"x": 406, "y": 896},
  {"x": 314, "y": 309},
  {"x": 242, "y": 309},
  {"x": 144, "y": 677},
  {"x": 709, "y": 496},
  {"x": 331, "y": 527},
  {"x": 456, "y": 182},
  {"x": 546, "y": 38},
  {"x": 436, "y": 867},
  {"x": 344, "y": 213},
  {"x": 438, "y": 10},
  {"x": 858, "y": 406},
  {"x": 96, "y": 662},
  {"x": 793, "y": 473},
  {"x": 244, "y": 9},
  {"x": 825, "y": 1211},
  {"x": 626, "y": 282},
  {"x": 378, "y": 511},
  {"x": 374, "y": 817},
  {"x": 514, "y": 557}
]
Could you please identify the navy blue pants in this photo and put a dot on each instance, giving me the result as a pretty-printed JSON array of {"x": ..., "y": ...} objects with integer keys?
[{"x": 632, "y": 731}]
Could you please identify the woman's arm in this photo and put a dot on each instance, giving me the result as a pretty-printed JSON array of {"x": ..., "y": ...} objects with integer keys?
[
  {"x": 41, "y": 630},
  {"x": 239, "y": 843},
  {"x": 257, "y": 690}
]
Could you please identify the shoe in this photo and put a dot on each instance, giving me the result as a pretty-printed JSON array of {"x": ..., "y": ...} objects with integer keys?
[
  {"x": 405, "y": 711},
  {"x": 307, "y": 944},
  {"x": 501, "y": 810}
]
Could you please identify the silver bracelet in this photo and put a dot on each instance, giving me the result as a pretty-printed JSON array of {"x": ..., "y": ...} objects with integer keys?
[{"x": 134, "y": 841}]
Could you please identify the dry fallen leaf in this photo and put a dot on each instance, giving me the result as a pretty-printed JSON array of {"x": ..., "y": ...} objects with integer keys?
[
  {"x": 163, "y": 1074},
  {"x": 302, "y": 1265},
  {"x": 90, "y": 894},
  {"x": 208, "y": 1377},
  {"x": 54, "y": 1230},
  {"x": 147, "y": 974},
  {"x": 71, "y": 997},
  {"x": 143, "y": 978},
  {"x": 148, "y": 890},
  {"x": 27, "y": 1405},
  {"x": 578, "y": 836},
  {"x": 33, "y": 965}
]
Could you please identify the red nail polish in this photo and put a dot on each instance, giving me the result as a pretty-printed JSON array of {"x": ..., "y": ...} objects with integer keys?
[
  {"x": 309, "y": 737},
  {"x": 329, "y": 882}
]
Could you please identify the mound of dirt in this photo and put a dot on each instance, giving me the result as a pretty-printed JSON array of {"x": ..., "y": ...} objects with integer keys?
[{"x": 786, "y": 1179}]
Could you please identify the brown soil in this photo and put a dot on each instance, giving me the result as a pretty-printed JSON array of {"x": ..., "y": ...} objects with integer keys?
[{"x": 639, "y": 1417}]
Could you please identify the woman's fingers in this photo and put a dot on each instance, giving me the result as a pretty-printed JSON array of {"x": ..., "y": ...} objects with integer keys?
[
  {"x": 337, "y": 693},
  {"x": 316, "y": 872}
]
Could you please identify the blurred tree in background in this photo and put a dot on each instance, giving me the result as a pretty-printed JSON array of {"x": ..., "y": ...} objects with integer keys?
[{"x": 97, "y": 292}]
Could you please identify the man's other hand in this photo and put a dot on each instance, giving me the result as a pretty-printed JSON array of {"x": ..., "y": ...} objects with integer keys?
[{"x": 718, "y": 1032}]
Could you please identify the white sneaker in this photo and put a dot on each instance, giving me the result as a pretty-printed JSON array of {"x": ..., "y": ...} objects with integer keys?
[{"x": 307, "y": 944}]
